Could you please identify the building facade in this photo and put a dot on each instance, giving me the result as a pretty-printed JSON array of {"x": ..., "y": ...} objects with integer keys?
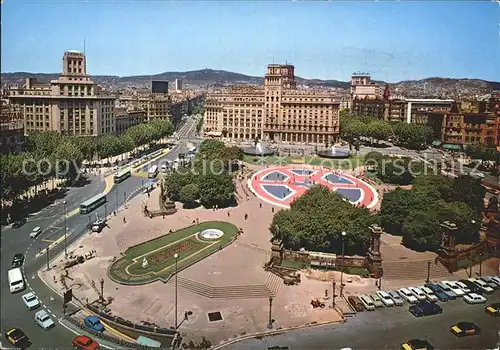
[
  {"x": 156, "y": 106},
  {"x": 178, "y": 85},
  {"x": 126, "y": 118},
  {"x": 11, "y": 129},
  {"x": 362, "y": 87},
  {"x": 277, "y": 111},
  {"x": 72, "y": 104}
]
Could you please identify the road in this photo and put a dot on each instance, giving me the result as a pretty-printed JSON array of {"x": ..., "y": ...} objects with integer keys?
[
  {"x": 13, "y": 311},
  {"x": 387, "y": 328}
]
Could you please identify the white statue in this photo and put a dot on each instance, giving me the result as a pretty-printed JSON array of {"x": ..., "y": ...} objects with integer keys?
[
  {"x": 332, "y": 149},
  {"x": 145, "y": 263},
  {"x": 258, "y": 146}
]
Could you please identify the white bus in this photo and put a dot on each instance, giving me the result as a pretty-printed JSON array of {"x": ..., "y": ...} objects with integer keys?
[
  {"x": 16, "y": 280},
  {"x": 153, "y": 171},
  {"x": 92, "y": 203}
]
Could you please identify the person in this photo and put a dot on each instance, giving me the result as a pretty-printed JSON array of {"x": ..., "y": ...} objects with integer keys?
[
  {"x": 261, "y": 205},
  {"x": 246, "y": 216},
  {"x": 124, "y": 220}
]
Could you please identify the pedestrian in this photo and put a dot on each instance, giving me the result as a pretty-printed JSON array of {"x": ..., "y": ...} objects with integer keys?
[
  {"x": 261, "y": 205},
  {"x": 246, "y": 216},
  {"x": 124, "y": 220},
  {"x": 228, "y": 214},
  {"x": 272, "y": 209}
]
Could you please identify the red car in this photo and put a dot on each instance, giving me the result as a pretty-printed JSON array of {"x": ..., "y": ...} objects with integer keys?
[{"x": 82, "y": 342}]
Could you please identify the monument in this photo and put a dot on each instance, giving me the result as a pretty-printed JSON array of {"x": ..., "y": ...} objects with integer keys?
[
  {"x": 333, "y": 153},
  {"x": 374, "y": 256},
  {"x": 258, "y": 150},
  {"x": 448, "y": 253},
  {"x": 145, "y": 263}
]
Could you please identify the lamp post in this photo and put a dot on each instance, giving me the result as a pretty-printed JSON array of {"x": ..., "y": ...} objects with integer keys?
[
  {"x": 428, "y": 271},
  {"x": 342, "y": 268},
  {"x": 65, "y": 232},
  {"x": 176, "y": 257},
  {"x": 480, "y": 264},
  {"x": 270, "y": 323}
]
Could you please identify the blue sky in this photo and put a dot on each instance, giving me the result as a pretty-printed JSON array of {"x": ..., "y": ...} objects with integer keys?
[{"x": 328, "y": 40}]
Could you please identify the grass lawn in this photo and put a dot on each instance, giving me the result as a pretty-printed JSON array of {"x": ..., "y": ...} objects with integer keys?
[
  {"x": 294, "y": 264},
  {"x": 349, "y": 163},
  {"x": 160, "y": 252}
]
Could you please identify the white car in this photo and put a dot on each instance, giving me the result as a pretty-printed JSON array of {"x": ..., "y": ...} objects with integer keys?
[
  {"x": 418, "y": 293},
  {"x": 36, "y": 232},
  {"x": 43, "y": 319},
  {"x": 473, "y": 298},
  {"x": 428, "y": 293},
  {"x": 386, "y": 298},
  {"x": 395, "y": 297},
  {"x": 463, "y": 287},
  {"x": 454, "y": 288},
  {"x": 496, "y": 279},
  {"x": 408, "y": 296},
  {"x": 31, "y": 301},
  {"x": 483, "y": 285}
]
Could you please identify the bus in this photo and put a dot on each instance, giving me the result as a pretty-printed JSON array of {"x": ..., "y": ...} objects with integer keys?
[
  {"x": 92, "y": 203},
  {"x": 148, "y": 342},
  {"x": 153, "y": 171},
  {"x": 122, "y": 175},
  {"x": 16, "y": 280}
]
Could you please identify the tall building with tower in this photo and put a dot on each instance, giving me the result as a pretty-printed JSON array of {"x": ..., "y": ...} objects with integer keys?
[
  {"x": 362, "y": 87},
  {"x": 178, "y": 85},
  {"x": 277, "y": 111},
  {"x": 159, "y": 87},
  {"x": 72, "y": 104}
]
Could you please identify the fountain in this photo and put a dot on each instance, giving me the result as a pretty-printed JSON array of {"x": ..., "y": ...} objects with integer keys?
[
  {"x": 334, "y": 153},
  {"x": 211, "y": 234},
  {"x": 145, "y": 263},
  {"x": 258, "y": 150}
]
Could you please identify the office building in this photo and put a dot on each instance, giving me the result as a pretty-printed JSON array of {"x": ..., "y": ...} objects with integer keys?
[
  {"x": 277, "y": 111},
  {"x": 178, "y": 85},
  {"x": 11, "y": 129},
  {"x": 125, "y": 118},
  {"x": 362, "y": 87},
  {"x": 72, "y": 104},
  {"x": 159, "y": 87}
]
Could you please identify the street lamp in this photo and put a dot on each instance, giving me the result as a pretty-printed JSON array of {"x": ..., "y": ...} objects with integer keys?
[
  {"x": 342, "y": 268},
  {"x": 428, "y": 271},
  {"x": 176, "y": 257},
  {"x": 270, "y": 323},
  {"x": 65, "y": 232}
]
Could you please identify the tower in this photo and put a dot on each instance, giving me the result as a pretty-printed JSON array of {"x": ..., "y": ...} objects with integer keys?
[
  {"x": 74, "y": 63},
  {"x": 387, "y": 92}
]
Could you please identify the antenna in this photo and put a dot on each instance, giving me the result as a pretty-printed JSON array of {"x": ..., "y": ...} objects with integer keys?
[{"x": 84, "y": 46}]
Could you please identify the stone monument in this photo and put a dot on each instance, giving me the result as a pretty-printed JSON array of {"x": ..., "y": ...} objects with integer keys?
[
  {"x": 374, "y": 255},
  {"x": 447, "y": 252},
  {"x": 145, "y": 263}
]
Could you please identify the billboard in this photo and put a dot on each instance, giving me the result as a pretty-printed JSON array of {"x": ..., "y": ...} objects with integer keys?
[{"x": 159, "y": 87}]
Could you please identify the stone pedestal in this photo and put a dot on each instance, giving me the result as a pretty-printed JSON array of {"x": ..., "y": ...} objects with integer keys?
[
  {"x": 276, "y": 252},
  {"x": 374, "y": 255},
  {"x": 447, "y": 253}
]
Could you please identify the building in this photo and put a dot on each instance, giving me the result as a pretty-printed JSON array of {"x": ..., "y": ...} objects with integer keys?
[
  {"x": 178, "y": 85},
  {"x": 156, "y": 106},
  {"x": 277, "y": 111},
  {"x": 72, "y": 104},
  {"x": 125, "y": 118},
  {"x": 363, "y": 88},
  {"x": 159, "y": 87},
  {"x": 11, "y": 129}
]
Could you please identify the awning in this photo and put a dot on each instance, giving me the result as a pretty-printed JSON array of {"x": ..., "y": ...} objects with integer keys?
[
  {"x": 452, "y": 147},
  {"x": 436, "y": 143}
]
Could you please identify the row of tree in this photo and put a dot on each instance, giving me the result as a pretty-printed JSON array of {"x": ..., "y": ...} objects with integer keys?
[
  {"x": 417, "y": 215},
  {"x": 316, "y": 220},
  {"x": 411, "y": 136},
  {"x": 394, "y": 170},
  {"x": 49, "y": 154},
  {"x": 208, "y": 179}
]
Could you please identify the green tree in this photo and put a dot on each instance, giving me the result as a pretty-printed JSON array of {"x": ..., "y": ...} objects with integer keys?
[
  {"x": 189, "y": 194},
  {"x": 412, "y": 136},
  {"x": 379, "y": 130},
  {"x": 373, "y": 159},
  {"x": 216, "y": 189},
  {"x": 470, "y": 191},
  {"x": 422, "y": 230},
  {"x": 69, "y": 160}
]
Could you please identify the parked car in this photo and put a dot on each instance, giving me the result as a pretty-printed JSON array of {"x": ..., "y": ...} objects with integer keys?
[
  {"x": 408, "y": 296},
  {"x": 429, "y": 294},
  {"x": 474, "y": 288},
  {"x": 425, "y": 308},
  {"x": 395, "y": 297},
  {"x": 490, "y": 282},
  {"x": 386, "y": 298},
  {"x": 43, "y": 319},
  {"x": 19, "y": 223},
  {"x": 31, "y": 301},
  {"x": 463, "y": 287},
  {"x": 18, "y": 260},
  {"x": 367, "y": 302},
  {"x": 94, "y": 323},
  {"x": 464, "y": 328},
  {"x": 440, "y": 294},
  {"x": 418, "y": 293},
  {"x": 473, "y": 298},
  {"x": 16, "y": 337},
  {"x": 355, "y": 303},
  {"x": 376, "y": 300},
  {"x": 35, "y": 232},
  {"x": 417, "y": 344},
  {"x": 447, "y": 290},
  {"x": 496, "y": 279},
  {"x": 493, "y": 309},
  {"x": 454, "y": 288},
  {"x": 83, "y": 342},
  {"x": 483, "y": 285}
]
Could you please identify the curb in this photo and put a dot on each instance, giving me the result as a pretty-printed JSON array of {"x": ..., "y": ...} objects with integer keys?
[{"x": 274, "y": 332}]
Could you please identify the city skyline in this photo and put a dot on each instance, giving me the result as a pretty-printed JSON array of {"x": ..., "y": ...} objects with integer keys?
[{"x": 242, "y": 37}]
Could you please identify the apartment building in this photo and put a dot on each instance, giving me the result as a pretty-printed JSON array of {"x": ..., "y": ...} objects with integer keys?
[
  {"x": 277, "y": 111},
  {"x": 362, "y": 87},
  {"x": 72, "y": 104},
  {"x": 11, "y": 128},
  {"x": 156, "y": 106},
  {"x": 126, "y": 118}
]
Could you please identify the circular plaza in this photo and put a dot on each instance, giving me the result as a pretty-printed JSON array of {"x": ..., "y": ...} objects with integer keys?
[{"x": 283, "y": 184}]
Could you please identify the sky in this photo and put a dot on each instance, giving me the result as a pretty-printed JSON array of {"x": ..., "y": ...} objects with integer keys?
[{"x": 393, "y": 40}]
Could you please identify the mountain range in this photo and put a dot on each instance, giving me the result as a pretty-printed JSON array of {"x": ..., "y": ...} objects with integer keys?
[{"x": 429, "y": 86}]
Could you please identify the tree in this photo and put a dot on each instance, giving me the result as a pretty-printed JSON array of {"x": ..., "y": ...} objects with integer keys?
[
  {"x": 422, "y": 230},
  {"x": 373, "y": 159},
  {"x": 379, "y": 130},
  {"x": 211, "y": 149},
  {"x": 44, "y": 143},
  {"x": 68, "y": 160},
  {"x": 412, "y": 136},
  {"x": 216, "y": 189},
  {"x": 470, "y": 191},
  {"x": 189, "y": 194}
]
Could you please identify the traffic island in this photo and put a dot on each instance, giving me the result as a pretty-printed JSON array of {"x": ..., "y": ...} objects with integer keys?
[{"x": 160, "y": 258}]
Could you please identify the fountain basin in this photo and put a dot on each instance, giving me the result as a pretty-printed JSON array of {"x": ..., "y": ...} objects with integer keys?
[
  {"x": 211, "y": 234},
  {"x": 333, "y": 153},
  {"x": 258, "y": 150}
]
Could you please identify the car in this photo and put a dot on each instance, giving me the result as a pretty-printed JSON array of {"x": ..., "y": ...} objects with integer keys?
[
  {"x": 428, "y": 294},
  {"x": 19, "y": 223},
  {"x": 94, "y": 323},
  {"x": 16, "y": 337},
  {"x": 483, "y": 285},
  {"x": 408, "y": 296},
  {"x": 83, "y": 342},
  {"x": 376, "y": 300},
  {"x": 493, "y": 309},
  {"x": 31, "y": 301},
  {"x": 478, "y": 174},
  {"x": 490, "y": 282},
  {"x": 496, "y": 279},
  {"x": 386, "y": 298},
  {"x": 474, "y": 288},
  {"x": 473, "y": 298},
  {"x": 417, "y": 344},
  {"x": 440, "y": 294},
  {"x": 418, "y": 293},
  {"x": 35, "y": 232},
  {"x": 464, "y": 328},
  {"x": 454, "y": 288},
  {"x": 43, "y": 319},
  {"x": 463, "y": 287},
  {"x": 425, "y": 308},
  {"x": 395, "y": 297},
  {"x": 355, "y": 303},
  {"x": 17, "y": 260},
  {"x": 445, "y": 288}
]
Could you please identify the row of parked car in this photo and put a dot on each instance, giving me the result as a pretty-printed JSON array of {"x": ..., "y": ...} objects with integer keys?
[{"x": 472, "y": 291}]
